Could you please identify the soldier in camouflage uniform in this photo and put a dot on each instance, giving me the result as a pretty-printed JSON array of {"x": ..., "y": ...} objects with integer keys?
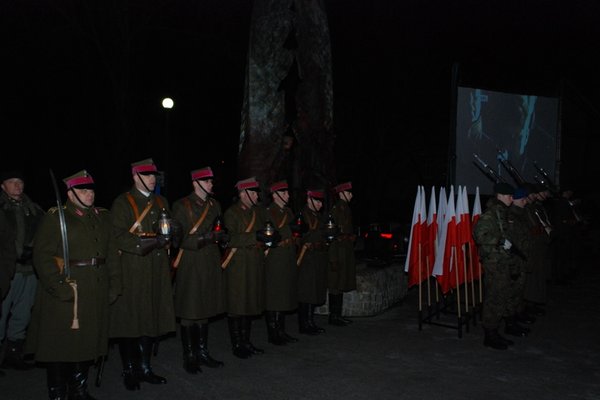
[
  {"x": 493, "y": 244},
  {"x": 520, "y": 233},
  {"x": 199, "y": 281},
  {"x": 23, "y": 216},
  {"x": 69, "y": 325},
  {"x": 536, "y": 287},
  {"x": 341, "y": 274},
  {"x": 7, "y": 258}
]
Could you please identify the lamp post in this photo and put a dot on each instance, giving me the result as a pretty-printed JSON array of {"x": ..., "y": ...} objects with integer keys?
[{"x": 167, "y": 104}]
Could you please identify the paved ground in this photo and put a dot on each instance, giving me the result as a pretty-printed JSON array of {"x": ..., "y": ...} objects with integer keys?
[{"x": 384, "y": 357}]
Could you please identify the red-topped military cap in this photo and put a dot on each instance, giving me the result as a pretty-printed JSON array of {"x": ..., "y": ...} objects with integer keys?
[
  {"x": 202, "y": 173},
  {"x": 247, "y": 184},
  {"x": 80, "y": 180},
  {"x": 343, "y": 187},
  {"x": 281, "y": 185},
  {"x": 144, "y": 167},
  {"x": 316, "y": 194}
]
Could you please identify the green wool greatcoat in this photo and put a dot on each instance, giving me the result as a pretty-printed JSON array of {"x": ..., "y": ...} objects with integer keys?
[
  {"x": 144, "y": 306},
  {"x": 50, "y": 335},
  {"x": 312, "y": 271},
  {"x": 281, "y": 272},
  {"x": 199, "y": 280},
  {"x": 341, "y": 275},
  {"x": 245, "y": 272}
]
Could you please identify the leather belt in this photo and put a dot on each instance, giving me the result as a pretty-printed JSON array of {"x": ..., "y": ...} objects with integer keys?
[{"x": 89, "y": 262}]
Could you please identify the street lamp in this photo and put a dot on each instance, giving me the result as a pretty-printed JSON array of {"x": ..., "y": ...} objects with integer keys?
[{"x": 167, "y": 104}]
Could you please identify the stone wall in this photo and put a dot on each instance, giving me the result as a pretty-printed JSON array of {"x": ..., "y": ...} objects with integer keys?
[{"x": 377, "y": 288}]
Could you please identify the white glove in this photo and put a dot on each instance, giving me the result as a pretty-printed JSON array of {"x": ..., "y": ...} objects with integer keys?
[{"x": 507, "y": 244}]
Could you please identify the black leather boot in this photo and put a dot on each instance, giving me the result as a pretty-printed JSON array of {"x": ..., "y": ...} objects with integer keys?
[
  {"x": 303, "y": 320},
  {"x": 311, "y": 319},
  {"x": 513, "y": 328},
  {"x": 78, "y": 382},
  {"x": 335, "y": 310},
  {"x": 524, "y": 317},
  {"x": 246, "y": 330},
  {"x": 130, "y": 358},
  {"x": 235, "y": 331},
  {"x": 56, "y": 379},
  {"x": 273, "y": 331},
  {"x": 200, "y": 332},
  {"x": 280, "y": 317},
  {"x": 190, "y": 360},
  {"x": 146, "y": 374},
  {"x": 14, "y": 356},
  {"x": 492, "y": 339}
]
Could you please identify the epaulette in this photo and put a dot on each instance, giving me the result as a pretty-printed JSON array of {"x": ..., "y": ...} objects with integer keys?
[
  {"x": 101, "y": 209},
  {"x": 52, "y": 210}
]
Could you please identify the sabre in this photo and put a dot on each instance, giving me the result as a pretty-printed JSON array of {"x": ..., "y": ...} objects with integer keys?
[{"x": 63, "y": 227}]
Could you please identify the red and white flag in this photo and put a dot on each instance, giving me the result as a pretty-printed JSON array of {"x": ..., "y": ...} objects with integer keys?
[
  {"x": 446, "y": 254},
  {"x": 432, "y": 231},
  {"x": 474, "y": 218},
  {"x": 415, "y": 259}
]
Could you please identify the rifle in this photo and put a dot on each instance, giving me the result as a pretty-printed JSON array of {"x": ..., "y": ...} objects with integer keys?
[
  {"x": 513, "y": 172},
  {"x": 487, "y": 170},
  {"x": 545, "y": 179}
]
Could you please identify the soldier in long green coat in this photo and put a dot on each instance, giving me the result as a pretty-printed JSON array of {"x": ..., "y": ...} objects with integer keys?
[
  {"x": 493, "y": 244},
  {"x": 341, "y": 275},
  {"x": 244, "y": 265},
  {"x": 69, "y": 326},
  {"x": 199, "y": 279},
  {"x": 142, "y": 297},
  {"x": 312, "y": 264},
  {"x": 281, "y": 272}
]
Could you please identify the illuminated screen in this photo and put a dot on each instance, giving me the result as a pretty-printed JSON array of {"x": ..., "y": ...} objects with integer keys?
[{"x": 520, "y": 130}]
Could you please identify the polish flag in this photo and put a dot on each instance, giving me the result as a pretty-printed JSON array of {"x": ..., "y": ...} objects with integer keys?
[
  {"x": 415, "y": 259},
  {"x": 447, "y": 246}
]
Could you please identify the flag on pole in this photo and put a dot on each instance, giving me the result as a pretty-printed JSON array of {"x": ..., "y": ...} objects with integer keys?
[
  {"x": 432, "y": 230},
  {"x": 413, "y": 259},
  {"x": 474, "y": 218},
  {"x": 443, "y": 267},
  {"x": 458, "y": 277}
]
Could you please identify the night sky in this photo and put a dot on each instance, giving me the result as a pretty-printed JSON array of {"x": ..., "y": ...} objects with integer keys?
[{"x": 89, "y": 79}]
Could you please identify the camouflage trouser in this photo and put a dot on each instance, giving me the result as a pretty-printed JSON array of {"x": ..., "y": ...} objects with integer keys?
[
  {"x": 515, "y": 300},
  {"x": 496, "y": 297}
]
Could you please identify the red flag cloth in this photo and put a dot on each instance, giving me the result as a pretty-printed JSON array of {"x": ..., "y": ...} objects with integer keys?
[
  {"x": 415, "y": 259},
  {"x": 447, "y": 246},
  {"x": 474, "y": 218},
  {"x": 458, "y": 276},
  {"x": 432, "y": 231}
]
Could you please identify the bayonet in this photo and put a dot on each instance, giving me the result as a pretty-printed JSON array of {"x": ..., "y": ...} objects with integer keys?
[
  {"x": 487, "y": 170},
  {"x": 63, "y": 227}
]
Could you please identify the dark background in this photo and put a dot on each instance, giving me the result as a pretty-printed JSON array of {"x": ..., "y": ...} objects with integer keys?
[{"x": 82, "y": 84}]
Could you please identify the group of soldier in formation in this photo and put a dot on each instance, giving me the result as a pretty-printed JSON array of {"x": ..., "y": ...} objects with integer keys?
[{"x": 86, "y": 275}]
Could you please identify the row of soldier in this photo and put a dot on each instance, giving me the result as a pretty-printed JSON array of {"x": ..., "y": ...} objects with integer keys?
[
  {"x": 525, "y": 240},
  {"x": 129, "y": 274}
]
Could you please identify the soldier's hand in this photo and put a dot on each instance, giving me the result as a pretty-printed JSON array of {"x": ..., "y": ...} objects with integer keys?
[{"x": 506, "y": 245}]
